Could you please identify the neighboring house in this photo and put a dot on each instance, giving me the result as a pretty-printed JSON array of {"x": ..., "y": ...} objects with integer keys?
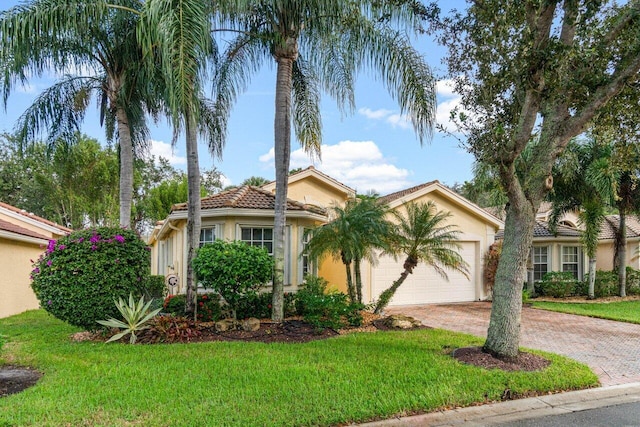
[
  {"x": 562, "y": 250},
  {"x": 246, "y": 213},
  {"x": 23, "y": 237}
]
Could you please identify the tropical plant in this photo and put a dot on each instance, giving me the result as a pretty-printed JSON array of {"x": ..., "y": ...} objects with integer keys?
[
  {"x": 233, "y": 269},
  {"x": 423, "y": 236},
  {"x": 256, "y": 181},
  {"x": 180, "y": 34},
  {"x": 49, "y": 35},
  {"x": 536, "y": 76},
  {"x": 356, "y": 232},
  {"x": 78, "y": 276},
  {"x": 324, "y": 309},
  {"x": 135, "y": 315},
  {"x": 321, "y": 45}
]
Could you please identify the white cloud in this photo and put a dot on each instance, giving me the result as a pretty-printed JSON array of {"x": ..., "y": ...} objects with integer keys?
[
  {"x": 358, "y": 164},
  {"x": 396, "y": 120},
  {"x": 399, "y": 120},
  {"x": 27, "y": 88},
  {"x": 162, "y": 149},
  {"x": 374, "y": 114},
  {"x": 449, "y": 101},
  {"x": 445, "y": 88}
]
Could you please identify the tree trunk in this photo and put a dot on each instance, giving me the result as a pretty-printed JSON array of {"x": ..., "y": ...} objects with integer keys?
[
  {"x": 358, "y": 272},
  {"x": 282, "y": 150},
  {"x": 126, "y": 168},
  {"x": 622, "y": 253},
  {"x": 592, "y": 278},
  {"x": 193, "y": 211},
  {"x": 388, "y": 293},
  {"x": 350, "y": 288},
  {"x": 503, "y": 336}
]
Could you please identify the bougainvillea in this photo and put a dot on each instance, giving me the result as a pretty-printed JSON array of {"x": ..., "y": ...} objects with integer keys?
[{"x": 78, "y": 277}]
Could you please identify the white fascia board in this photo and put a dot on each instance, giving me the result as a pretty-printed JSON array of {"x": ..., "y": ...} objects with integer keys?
[
  {"x": 22, "y": 238},
  {"x": 32, "y": 221}
]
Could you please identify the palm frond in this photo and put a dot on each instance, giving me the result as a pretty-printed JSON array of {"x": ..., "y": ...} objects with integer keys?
[{"x": 307, "y": 120}]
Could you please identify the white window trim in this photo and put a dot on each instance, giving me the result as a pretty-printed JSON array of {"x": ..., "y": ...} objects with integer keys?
[
  {"x": 549, "y": 258},
  {"x": 579, "y": 261},
  {"x": 301, "y": 245}
]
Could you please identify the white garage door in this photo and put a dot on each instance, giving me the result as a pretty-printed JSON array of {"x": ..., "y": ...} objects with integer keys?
[{"x": 425, "y": 285}]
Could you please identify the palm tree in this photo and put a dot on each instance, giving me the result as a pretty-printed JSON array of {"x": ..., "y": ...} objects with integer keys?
[
  {"x": 356, "y": 231},
  {"x": 423, "y": 236},
  {"x": 180, "y": 33},
  {"x": 321, "y": 45},
  {"x": 50, "y": 35},
  {"x": 583, "y": 181}
]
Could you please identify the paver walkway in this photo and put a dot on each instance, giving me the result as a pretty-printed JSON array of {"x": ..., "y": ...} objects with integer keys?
[{"x": 611, "y": 349}]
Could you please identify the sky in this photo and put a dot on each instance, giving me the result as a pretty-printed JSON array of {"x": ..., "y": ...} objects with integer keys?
[{"x": 372, "y": 149}]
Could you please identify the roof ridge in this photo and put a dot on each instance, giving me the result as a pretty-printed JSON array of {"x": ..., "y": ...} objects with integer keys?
[{"x": 26, "y": 214}]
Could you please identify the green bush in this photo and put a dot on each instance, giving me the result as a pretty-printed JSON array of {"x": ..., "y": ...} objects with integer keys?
[
  {"x": 557, "y": 284},
  {"x": 233, "y": 269},
  {"x": 606, "y": 284},
  {"x": 633, "y": 281},
  {"x": 155, "y": 287},
  {"x": 326, "y": 310},
  {"x": 209, "y": 308},
  {"x": 78, "y": 278},
  {"x": 259, "y": 305}
]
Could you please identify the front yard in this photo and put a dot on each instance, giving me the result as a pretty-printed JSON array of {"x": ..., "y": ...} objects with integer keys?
[
  {"x": 623, "y": 311},
  {"x": 350, "y": 378}
]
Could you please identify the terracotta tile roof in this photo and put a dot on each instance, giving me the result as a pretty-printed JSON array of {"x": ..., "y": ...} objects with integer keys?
[
  {"x": 35, "y": 217},
  {"x": 248, "y": 197},
  {"x": 13, "y": 228},
  {"x": 541, "y": 229},
  {"x": 611, "y": 225},
  {"x": 399, "y": 194}
]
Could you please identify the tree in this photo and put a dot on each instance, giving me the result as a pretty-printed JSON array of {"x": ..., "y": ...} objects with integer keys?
[
  {"x": 354, "y": 234},
  {"x": 179, "y": 33},
  {"x": 316, "y": 45},
  {"x": 583, "y": 182},
  {"x": 49, "y": 35},
  {"x": 256, "y": 181},
  {"x": 533, "y": 74},
  {"x": 423, "y": 236}
]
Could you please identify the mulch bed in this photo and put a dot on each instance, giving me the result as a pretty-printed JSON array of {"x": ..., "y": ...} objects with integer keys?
[
  {"x": 14, "y": 379},
  {"x": 523, "y": 362}
]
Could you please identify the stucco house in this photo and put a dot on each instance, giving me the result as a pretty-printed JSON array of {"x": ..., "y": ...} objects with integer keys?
[
  {"x": 246, "y": 213},
  {"x": 23, "y": 237}
]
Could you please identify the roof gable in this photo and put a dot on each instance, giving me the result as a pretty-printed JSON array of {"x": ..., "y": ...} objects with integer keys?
[
  {"x": 247, "y": 197},
  {"x": 34, "y": 220},
  {"x": 16, "y": 229},
  {"x": 313, "y": 173}
]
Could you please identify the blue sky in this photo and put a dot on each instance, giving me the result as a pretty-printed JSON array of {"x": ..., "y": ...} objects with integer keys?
[{"x": 374, "y": 148}]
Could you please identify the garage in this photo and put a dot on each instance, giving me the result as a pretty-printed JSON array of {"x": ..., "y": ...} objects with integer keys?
[{"x": 425, "y": 285}]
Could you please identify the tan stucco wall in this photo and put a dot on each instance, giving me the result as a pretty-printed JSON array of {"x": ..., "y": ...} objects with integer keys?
[
  {"x": 16, "y": 295},
  {"x": 315, "y": 192},
  {"x": 604, "y": 256}
]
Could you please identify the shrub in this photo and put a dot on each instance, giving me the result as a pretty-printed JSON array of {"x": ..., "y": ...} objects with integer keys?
[
  {"x": 136, "y": 315},
  {"x": 79, "y": 276},
  {"x": 155, "y": 287},
  {"x": 633, "y": 281},
  {"x": 557, "y": 284},
  {"x": 606, "y": 284},
  {"x": 233, "y": 269},
  {"x": 170, "y": 329},
  {"x": 259, "y": 305},
  {"x": 209, "y": 308},
  {"x": 325, "y": 310}
]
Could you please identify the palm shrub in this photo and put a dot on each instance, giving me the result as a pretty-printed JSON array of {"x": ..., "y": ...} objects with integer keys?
[
  {"x": 79, "y": 276},
  {"x": 233, "y": 269},
  {"x": 135, "y": 315}
]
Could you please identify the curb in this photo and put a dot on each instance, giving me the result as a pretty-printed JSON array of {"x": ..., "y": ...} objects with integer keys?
[{"x": 533, "y": 407}]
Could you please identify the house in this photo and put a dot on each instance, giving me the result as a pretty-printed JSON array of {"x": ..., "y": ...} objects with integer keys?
[
  {"x": 23, "y": 237},
  {"x": 246, "y": 213}
]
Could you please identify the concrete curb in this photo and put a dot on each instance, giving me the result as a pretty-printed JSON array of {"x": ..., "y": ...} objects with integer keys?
[{"x": 533, "y": 407}]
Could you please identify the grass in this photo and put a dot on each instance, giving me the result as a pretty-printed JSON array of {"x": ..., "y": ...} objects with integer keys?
[
  {"x": 623, "y": 311},
  {"x": 351, "y": 378}
]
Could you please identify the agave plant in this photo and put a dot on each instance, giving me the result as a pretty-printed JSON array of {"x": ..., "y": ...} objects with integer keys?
[{"x": 135, "y": 315}]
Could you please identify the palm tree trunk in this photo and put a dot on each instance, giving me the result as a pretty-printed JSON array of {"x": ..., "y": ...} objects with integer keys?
[
  {"x": 356, "y": 267},
  {"x": 282, "y": 149},
  {"x": 503, "y": 336},
  {"x": 388, "y": 293},
  {"x": 622, "y": 253},
  {"x": 193, "y": 210},
  {"x": 350, "y": 288},
  {"x": 126, "y": 167},
  {"x": 592, "y": 278}
]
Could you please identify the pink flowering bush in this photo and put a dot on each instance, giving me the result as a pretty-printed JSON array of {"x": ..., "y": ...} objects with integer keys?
[{"x": 78, "y": 278}]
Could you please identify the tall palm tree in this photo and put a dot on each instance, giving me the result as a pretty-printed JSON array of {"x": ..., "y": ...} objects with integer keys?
[
  {"x": 583, "y": 181},
  {"x": 356, "y": 231},
  {"x": 321, "y": 45},
  {"x": 423, "y": 236},
  {"x": 180, "y": 33},
  {"x": 50, "y": 35}
]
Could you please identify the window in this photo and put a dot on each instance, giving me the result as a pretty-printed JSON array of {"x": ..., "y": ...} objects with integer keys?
[
  {"x": 258, "y": 236},
  {"x": 540, "y": 256},
  {"x": 207, "y": 235},
  {"x": 571, "y": 260},
  {"x": 305, "y": 265}
]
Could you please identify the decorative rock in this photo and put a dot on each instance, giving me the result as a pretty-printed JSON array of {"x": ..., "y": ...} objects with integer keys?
[
  {"x": 398, "y": 321},
  {"x": 250, "y": 325},
  {"x": 224, "y": 325}
]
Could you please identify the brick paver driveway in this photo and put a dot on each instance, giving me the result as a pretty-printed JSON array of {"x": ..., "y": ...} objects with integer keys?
[{"x": 611, "y": 349}]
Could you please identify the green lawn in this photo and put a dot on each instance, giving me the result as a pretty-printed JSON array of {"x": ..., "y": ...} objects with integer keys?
[
  {"x": 624, "y": 311},
  {"x": 345, "y": 379}
]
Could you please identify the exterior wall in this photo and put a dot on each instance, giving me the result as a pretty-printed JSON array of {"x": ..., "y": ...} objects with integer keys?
[
  {"x": 315, "y": 192},
  {"x": 334, "y": 272},
  {"x": 555, "y": 254},
  {"x": 606, "y": 249},
  {"x": 15, "y": 264}
]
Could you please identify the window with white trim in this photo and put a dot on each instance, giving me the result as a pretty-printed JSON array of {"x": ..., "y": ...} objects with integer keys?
[
  {"x": 258, "y": 236},
  {"x": 571, "y": 260},
  {"x": 207, "y": 235},
  {"x": 305, "y": 266},
  {"x": 540, "y": 261}
]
